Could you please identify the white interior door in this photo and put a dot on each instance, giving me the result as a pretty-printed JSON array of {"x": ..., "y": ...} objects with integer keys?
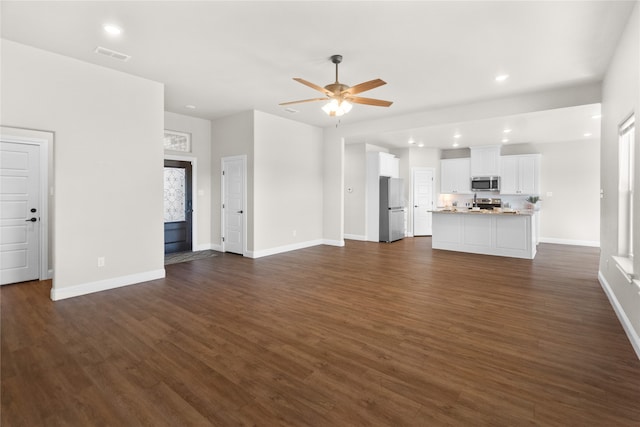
[
  {"x": 423, "y": 192},
  {"x": 233, "y": 204},
  {"x": 19, "y": 212}
]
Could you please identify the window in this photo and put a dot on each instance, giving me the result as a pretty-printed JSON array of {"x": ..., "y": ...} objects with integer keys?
[
  {"x": 625, "y": 187},
  {"x": 177, "y": 141}
]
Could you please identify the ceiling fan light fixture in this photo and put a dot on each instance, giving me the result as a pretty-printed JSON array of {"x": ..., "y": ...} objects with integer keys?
[
  {"x": 341, "y": 96},
  {"x": 337, "y": 108}
]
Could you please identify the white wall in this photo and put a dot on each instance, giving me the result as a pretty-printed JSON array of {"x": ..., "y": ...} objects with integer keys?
[
  {"x": 108, "y": 159},
  {"x": 285, "y": 173},
  {"x": 620, "y": 97},
  {"x": 333, "y": 187},
  {"x": 288, "y": 188},
  {"x": 355, "y": 172},
  {"x": 231, "y": 136},
  {"x": 200, "y": 130},
  {"x": 571, "y": 172}
]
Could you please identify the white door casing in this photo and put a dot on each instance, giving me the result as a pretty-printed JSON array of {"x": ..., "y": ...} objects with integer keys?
[
  {"x": 20, "y": 212},
  {"x": 234, "y": 204},
  {"x": 423, "y": 192}
]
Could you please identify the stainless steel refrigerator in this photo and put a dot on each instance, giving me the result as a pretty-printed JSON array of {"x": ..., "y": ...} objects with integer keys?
[{"x": 391, "y": 209}]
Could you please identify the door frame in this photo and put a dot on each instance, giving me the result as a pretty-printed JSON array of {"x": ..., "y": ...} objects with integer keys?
[
  {"x": 194, "y": 198},
  {"x": 41, "y": 139},
  {"x": 242, "y": 157},
  {"x": 433, "y": 191}
]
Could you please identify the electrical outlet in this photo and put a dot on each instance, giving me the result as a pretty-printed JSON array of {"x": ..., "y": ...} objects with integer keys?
[
  {"x": 100, "y": 261},
  {"x": 294, "y": 233}
]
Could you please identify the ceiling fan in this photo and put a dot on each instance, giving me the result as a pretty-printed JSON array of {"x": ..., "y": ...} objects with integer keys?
[{"x": 341, "y": 96}]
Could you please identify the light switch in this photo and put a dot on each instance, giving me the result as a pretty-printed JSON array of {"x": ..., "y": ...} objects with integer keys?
[
  {"x": 549, "y": 193},
  {"x": 200, "y": 192}
]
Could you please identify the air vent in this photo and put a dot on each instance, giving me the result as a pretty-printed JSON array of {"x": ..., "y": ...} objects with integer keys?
[
  {"x": 113, "y": 54},
  {"x": 290, "y": 110}
]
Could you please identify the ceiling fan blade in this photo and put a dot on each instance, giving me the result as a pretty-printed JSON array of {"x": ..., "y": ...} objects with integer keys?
[
  {"x": 368, "y": 101},
  {"x": 313, "y": 86},
  {"x": 303, "y": 100},
  {"x": 371, "y": 84}
]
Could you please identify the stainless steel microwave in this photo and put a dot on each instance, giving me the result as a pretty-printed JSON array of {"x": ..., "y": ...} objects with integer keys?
[{"x": 485, "y": 183}]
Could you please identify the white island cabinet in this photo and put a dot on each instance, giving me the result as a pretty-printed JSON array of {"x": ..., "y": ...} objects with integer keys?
[{"x": 502, "y": 234}]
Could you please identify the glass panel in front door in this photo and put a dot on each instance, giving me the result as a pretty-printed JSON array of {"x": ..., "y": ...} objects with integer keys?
[{"x": 174, "y": 194}]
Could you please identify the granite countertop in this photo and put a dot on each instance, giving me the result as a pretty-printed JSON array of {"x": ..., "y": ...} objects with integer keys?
[{"x": 467, "y": 211}]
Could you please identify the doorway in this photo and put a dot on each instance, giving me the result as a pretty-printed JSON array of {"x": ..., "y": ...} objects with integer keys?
[
  {"x": 24, "y": 214},
  {"x": 178, "y": 206},
  {"x": 234, "y": 201},
  {"x": 422, "y": 180}
]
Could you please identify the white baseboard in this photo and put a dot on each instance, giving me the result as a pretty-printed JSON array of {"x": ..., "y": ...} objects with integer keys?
[
  {"x": 592, "y": 243},
  {"x": 328, "y": 242},
  {"x": 282, "y": 249},
  {"x": 622, "y": 316},
  {"x": 208, "y": 246},
  {"x": 103, "y": 285},
  {"x": 355, "y": 237}
]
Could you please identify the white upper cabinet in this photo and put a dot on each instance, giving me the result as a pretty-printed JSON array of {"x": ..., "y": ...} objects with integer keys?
[
  {"x": 455, "y": 176},
  {"x": 389, "y": 165},
  {"x": 520, "y": 174},
  {"x": 485, "y": 161}
]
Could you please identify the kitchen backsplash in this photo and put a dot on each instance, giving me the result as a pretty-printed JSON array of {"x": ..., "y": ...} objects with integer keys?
[{"x": 516, "y": 202}]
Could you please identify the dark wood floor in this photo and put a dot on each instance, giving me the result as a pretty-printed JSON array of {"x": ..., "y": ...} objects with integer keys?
[{"x": 369, "y": 334}]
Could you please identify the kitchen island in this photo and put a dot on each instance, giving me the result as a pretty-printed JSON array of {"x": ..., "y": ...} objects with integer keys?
[{"x": 487, "y": 232}]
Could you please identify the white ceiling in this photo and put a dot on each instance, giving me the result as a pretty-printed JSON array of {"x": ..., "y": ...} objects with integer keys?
[{"x": 227, "y": 57}]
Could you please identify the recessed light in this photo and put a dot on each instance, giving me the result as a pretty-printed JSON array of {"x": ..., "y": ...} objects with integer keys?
[
  {"x": 421, "y": 145},
  {"x": 190, "y": 107},
  {"x": 411, "y": 141},
  {"x": 457, "y": 135},
  {"x": 502, "y": 77},
  {"x": 506, "y": 130},
  {"x": 587, "y": 134},
  {"x": 596, "y": 116},
  {"x": 112, "y": 29},
  {"x": 455, "y": 144},
  {"x": 505, "y": 140}
]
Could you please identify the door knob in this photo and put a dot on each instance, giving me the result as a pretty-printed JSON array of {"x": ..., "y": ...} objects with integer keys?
[
  {"x": 31, "y": 220},
  {"x": 239, "y": 211}
]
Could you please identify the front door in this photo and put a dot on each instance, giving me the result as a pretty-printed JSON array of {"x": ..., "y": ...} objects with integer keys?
[
  {"x": 233, "y": 210},
  {"x": 19, "y": 212},
  {"x": 422, "y": 201},
  {"x": 178, "y": 206}
]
